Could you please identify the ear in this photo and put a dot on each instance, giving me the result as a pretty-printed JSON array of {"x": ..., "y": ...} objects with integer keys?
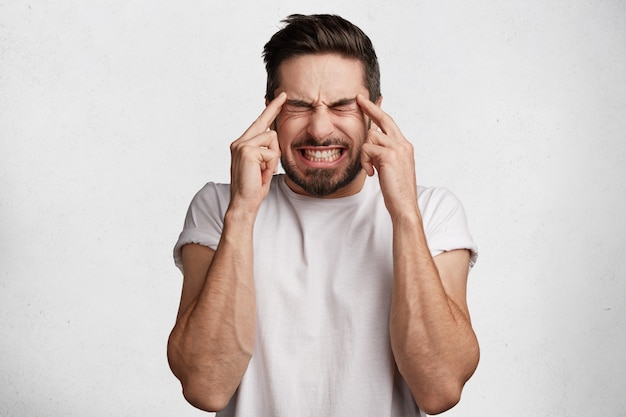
[
  {"x": 266, "y": 101},
  {"x": 379, "y": 102}
]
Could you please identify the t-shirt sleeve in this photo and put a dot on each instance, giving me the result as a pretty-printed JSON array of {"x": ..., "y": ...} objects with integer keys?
[
  {"x": 204, "y": 221},
  {"x": 445, "y": 223}
]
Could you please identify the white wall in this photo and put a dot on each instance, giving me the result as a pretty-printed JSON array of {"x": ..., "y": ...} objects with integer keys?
[{"x": 113, "y": 114}]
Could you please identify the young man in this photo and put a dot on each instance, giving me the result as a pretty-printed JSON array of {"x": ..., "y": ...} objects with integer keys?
[{"x": 338, "y": 288}]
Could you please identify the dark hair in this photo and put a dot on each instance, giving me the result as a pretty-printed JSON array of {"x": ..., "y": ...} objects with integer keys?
[{"x": 320, "y": 33}]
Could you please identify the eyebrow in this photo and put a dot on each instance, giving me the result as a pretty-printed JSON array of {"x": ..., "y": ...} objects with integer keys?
[
  {"x": 304, "y": 103},
  {"x": 343, "y": 102},
  {"x": 298, "y": 103}
]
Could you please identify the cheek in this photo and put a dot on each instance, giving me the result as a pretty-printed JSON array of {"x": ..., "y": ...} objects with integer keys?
[
  {"x": 286, "y": 135},
  {"x": 289, "y": 126},
  {"x": 355, "y": 127},
  {"x": 294, "y": 119}
]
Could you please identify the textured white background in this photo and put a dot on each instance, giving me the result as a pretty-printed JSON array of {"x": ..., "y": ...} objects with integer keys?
[{"x": 114, "y": 113}]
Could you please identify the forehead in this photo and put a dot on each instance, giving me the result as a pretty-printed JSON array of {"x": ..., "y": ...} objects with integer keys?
[{"x": 322, "y": 77}]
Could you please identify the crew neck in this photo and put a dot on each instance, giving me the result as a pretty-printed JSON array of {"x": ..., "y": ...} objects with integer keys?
[{"x": 292, "y": 195}]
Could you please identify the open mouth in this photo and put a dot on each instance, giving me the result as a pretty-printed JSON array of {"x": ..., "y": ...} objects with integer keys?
[{"x": 324, "y": 156}]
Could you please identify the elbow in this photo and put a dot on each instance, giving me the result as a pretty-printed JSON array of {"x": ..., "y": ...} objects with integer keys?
[
  {"x": 448, "y": 394},
  {"x": 204, "y": 400},
  {"x": 199, "y": 391},
  {"x": 437, "y": 404},
  {"x": 205, "y": 393},
  {"x": 442, "y": 399},
  {"x": 442, "y": 396}
]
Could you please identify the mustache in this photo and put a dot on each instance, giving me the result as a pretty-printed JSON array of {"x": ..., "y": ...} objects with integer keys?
[{"x": 311, "y": 142}]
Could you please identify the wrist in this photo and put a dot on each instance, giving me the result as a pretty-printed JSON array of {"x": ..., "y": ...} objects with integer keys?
[
  {"x": 239, "y": 218},
  {"x": 408, "y": 217}
]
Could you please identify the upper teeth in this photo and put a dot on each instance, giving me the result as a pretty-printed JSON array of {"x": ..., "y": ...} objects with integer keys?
[{"x": 317, "y": 155}]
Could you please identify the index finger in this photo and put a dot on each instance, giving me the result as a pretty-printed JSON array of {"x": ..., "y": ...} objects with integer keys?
[
  {"x": 378, "y": 116},
  {"x": 265, "y": 120}
]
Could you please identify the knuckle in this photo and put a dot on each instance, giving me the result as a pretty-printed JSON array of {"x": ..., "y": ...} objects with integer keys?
[{"x": 234, "y": 146}]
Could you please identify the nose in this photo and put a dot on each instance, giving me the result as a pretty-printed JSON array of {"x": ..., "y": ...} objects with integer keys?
[{"x": 320, "y": 123}]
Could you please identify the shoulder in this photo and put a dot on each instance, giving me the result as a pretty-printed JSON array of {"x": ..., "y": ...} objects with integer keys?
[
  {"x": 212, "y": 191},
  {"x": 436, "y": 199},
  {"x": 208, "y": 206},
  {"x": 445, "y": 222},
  {"x": 442, "y": 211}
]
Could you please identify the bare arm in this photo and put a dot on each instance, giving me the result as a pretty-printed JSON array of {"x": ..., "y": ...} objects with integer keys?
[
  {"x": 432, "y": 339},
  {"x": 213, "y": 339},
  {"x": 431, "y": 334}
]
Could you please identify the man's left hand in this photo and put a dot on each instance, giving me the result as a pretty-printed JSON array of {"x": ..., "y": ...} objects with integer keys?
[{"x": 387, "y": 151}]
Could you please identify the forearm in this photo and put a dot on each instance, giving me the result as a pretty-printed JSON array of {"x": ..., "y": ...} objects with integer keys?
[
  {"x": 432, "y": 339},
  {"x": 213, "y": 340}
]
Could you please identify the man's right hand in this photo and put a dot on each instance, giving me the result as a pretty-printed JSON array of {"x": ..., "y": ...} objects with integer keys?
[{"x": 255, "y": 157}]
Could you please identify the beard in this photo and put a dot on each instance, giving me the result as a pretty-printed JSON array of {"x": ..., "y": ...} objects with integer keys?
[{"x": 322, "y": 182}]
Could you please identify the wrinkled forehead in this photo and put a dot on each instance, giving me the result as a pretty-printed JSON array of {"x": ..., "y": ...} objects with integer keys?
[{"x": 322, "y": 78}]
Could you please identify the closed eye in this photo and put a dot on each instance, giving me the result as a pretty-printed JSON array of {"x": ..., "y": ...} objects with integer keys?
[
  {"x": 295, "y": 109},
  {"x": 345, "y": 107},
  {"x": 341, "y": 106},
  {"x": 296, "y": 106}
]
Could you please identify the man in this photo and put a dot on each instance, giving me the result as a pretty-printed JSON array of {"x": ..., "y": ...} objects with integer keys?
[{"x": 338, "y": 288}]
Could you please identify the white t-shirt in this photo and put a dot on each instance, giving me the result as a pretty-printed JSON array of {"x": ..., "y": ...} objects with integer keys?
[{"x": 323, "y": 276}]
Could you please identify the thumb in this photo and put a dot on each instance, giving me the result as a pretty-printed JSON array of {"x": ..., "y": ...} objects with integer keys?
[
  {"x": 367, "y": 163},
  {"x": 374, "y": 127}
]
